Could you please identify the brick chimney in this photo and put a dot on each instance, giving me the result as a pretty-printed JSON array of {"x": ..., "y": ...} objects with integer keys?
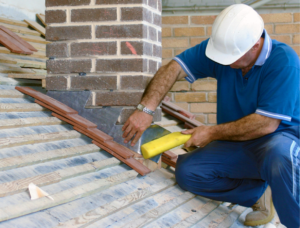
[{"x": 110, "y": 48}]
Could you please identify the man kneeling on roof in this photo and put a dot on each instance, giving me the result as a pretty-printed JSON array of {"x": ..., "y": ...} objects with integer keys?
[{"x": 254, "y": 148}]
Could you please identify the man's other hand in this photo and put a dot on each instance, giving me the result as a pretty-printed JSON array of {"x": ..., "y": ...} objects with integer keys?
[
  {"x": 201, "y": 136},
  {"x": 136, "y": 124}
]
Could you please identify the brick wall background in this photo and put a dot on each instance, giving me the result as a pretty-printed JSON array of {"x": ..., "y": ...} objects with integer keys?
[
  {"x": 182, "y": 32},
  {"x": 110, "y": 47}
]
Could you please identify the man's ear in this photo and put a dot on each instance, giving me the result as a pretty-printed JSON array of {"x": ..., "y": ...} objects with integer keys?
[{"x": 256, "y": 46}]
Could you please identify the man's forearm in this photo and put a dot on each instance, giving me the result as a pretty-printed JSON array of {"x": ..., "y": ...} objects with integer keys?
[
  {"x": 161, "y": 83},
  {"x": 247, "y": 128}
]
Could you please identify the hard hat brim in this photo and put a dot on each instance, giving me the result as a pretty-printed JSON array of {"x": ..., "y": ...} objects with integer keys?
[{"x": 212, "y": 53}]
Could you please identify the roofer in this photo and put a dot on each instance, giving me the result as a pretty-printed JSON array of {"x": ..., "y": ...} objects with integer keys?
[{"x": 256, "y": 141}]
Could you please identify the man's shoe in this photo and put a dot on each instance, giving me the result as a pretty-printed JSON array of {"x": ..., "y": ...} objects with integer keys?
[{"x": 263, "y": 210}]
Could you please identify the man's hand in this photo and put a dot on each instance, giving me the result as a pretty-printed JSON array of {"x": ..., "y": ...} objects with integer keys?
[
  {"x": 136, "y": 124},
  {"x": 201, "y": 136}
]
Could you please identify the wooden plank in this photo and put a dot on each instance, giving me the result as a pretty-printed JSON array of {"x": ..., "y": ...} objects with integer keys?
[
  {"x": 22, "y": 62},
  {"x": 216, "y": 217},
  {"x": 11, "y": 44},
  {"x": 17, "y": 38},
  {"x": 42, "y": 18},
  {"x": 160, "y": 211},
  {"x": 27, "y": 122},
  {"x": 117, "y": 205},
  {"x": 37, "y": 138},
  {"x": 4, "y": 50},
  {"x": 36, "y": 26},
  {"x": 40, "y": 47},
  {"x": 11, "y": 93},
  {"x": 13, "y": 22},
  {"x": 169, "y": 154},
  {"x": 200, "y": 212},
  {"x": 27, "y": 76},
  {"x": 14, "y": 187},
  {"x": 41, "y": 157},
  {"x": 78, "y": 192},
  {"x": 20, "y": 107},
  {"x": 20, "y": 29},
  {"x": 44, "y": 83},
  {"x": 7, "y": 68},
  {"x": 35, "y": 39}
]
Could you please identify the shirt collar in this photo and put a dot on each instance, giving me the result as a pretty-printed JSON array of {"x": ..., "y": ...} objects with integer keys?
[{"x": 265, "y": 51}]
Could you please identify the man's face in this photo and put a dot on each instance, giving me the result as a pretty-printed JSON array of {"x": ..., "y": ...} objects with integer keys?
[{"x": 243, "y": 62}]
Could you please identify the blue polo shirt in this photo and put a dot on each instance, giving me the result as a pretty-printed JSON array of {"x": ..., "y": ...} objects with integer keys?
[{"x": 270, "y": 88}]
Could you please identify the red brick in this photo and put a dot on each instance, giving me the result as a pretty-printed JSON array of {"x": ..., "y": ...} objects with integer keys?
[
  {"x": 152, "y": 34},
  {"x": 296, "y": 39},
  {"x": 121, "y": 65},
  {"x": 196, "y": 40},
  {"x": 157, "y": 51},
  {"x": 153, "y": 3},
  {"x": 118, "y": 98},
  {"x": 282, "y": 38},
  {"x": 181, "y": 86},
  {"x": 121, "y": 31},
  {"x": 159, "y": 36},
  {"x": 68, "y": 33},
  {"x": 55, "y": 16},
  {"x": 93, "y": 82},
  {"x": 57, "y": 50},
  {"x": 190, "y": 97},
  {"x": 287, "y": 28},
  {"x": 105, "y": 2},
  {"x": 166, "y": 32},
  {"x": 134, "y": 82},
  {"x": 136, "y": 14},
  {"x": 190, "y": 31},
  {"x": 69, "y": 66},
  {"x": 152, "y": 66},
  {"x": 50, "y": 3},
  {"x": 159, "y": 5},
  {"x": 277, "y": 17},
  {"x": 93, "y": 48},
  {"x": 57, "y": 83},
  {"x": 157, "y": 19},
  {"x": 203, "y": 20},
  {"x": 167, "y": 53},
  {"x": 296, "y": 17},
  {"x": 136, "y": 48},
  {"x": 173, "y": 20},
  {"x": 86, "y": 15}
]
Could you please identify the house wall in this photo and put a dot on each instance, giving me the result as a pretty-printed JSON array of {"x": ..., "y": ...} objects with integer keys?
[{"x": 182, "y": 32}]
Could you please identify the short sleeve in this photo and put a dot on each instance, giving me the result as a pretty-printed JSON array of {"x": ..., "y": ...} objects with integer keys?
[
  {"x": 195, "y": 63},
  {"x": 279, "y": 93}
]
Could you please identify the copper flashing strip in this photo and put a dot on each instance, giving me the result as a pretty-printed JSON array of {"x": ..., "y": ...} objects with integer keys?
[
  {"x": 169, "y": 154},
  {"x": 122, "y": 151},
  {"x": 178, "y": 109},
  {"x": 131, "y": 162},
  {"x": 87, "y": 128},
  {"x": 62, "y": 108},
  {"x": 179, "y": 116},
  {"x": 18, "y": 39}
]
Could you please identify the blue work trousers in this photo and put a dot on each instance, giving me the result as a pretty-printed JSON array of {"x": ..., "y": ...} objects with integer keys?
[{"x": 239, "y": 172}]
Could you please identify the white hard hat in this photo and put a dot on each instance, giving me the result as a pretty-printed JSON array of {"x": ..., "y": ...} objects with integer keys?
[{"x": 234, "y": 32}]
